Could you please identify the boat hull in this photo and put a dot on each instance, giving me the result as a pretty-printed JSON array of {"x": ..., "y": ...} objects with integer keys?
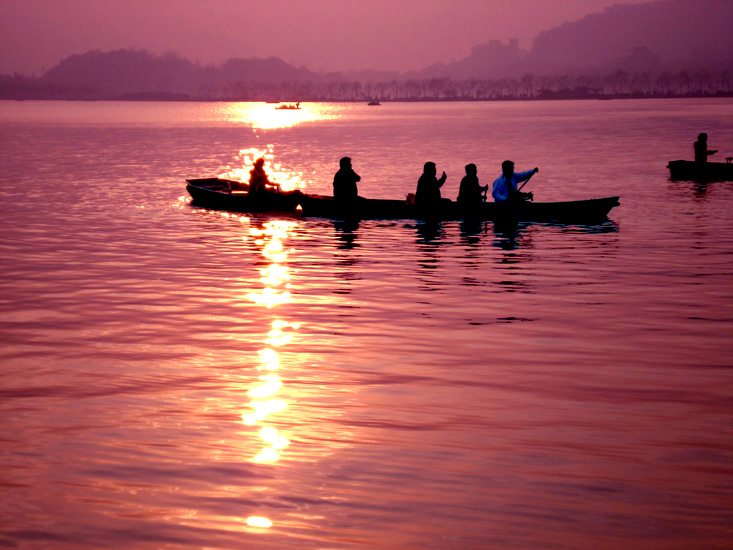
[
  {"x": 687, "y": 170},
  {"x": 216, "y": 194}
]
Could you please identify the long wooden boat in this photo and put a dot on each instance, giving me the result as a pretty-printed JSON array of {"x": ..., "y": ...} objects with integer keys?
[
  {"x": 687, "y": 170},
  {"x": 232, "y": 196}
]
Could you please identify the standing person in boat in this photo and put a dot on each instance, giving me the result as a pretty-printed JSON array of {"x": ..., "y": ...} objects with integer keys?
[
  {"x": 258, "y": 178},
  {"x": 701, "y": 149},
  {"x": 505, "y": 187},
  {"x": 471, "y": 193},
  {"x": 344, "y": 182},
  {"x": 428, "y": 186}
]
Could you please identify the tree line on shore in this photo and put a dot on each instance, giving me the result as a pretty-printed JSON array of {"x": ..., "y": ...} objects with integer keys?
[
  {"x": 617, "y": 84},
  {"x": 138, "y": 74}
]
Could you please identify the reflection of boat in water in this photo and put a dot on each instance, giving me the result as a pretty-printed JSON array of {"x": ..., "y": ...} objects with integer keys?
[
  {"x": 375, "y": 102},
  {"x": 222, "y": 194},
  {"x": 289, "y": 106},
  {"x": 688, "y": 170}
]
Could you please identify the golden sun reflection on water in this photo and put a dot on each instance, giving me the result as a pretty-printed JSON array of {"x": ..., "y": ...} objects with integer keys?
[
  {"x": 275, "y": 280},
  {"x": 267, "y": 117},
  {"x": 256, "y": 521}
]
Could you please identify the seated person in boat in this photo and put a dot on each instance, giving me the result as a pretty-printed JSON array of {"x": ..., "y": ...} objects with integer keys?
[
  {"x": 258, "y": 180},
  {"x": 701, "y": 149},
  {"x": 470, "y": 192},
  {"x": 505, "y": 186},
  {"x": 344, "y": 182},
  {"x": 428, "y": 187}
]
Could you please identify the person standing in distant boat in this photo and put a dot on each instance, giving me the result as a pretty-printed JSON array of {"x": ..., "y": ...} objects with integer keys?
[
  {"x": 701, "y": 149},
  {"x": 471, "y": 193},
  {"x": 258, "y": 180},
  {"x": 428, "y": 186},
  {"x": 505, "y": 186},
  {"x": 344, "y": 182}
]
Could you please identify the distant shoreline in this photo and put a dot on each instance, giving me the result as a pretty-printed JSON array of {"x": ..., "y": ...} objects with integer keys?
[{"x": 546, "y": 97}]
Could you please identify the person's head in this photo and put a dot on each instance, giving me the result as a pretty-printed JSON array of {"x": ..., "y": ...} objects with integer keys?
[
  {"x": 507, "y": 167},
  {"x": 260, "y": 162},
  {"x": 345, "y": 163},
  {"x": 429, "y": 168},
  {"x": 702, "y": 137},
  {"x": 471, "y": 169}
]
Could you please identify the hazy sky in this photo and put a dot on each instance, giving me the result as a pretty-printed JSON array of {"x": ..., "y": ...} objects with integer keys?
[{"x": 319, "y": 34}]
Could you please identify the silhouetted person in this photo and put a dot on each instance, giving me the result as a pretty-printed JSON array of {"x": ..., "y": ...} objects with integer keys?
[
  {"x": 258, "y": 180},
  {"x": 428, "y": 186},
  {"x": 344, "y": 182},
  {"x": 701, "y": 149},
  {"x": 505, "y": 186},
  {"x": 470, "y": 192}
]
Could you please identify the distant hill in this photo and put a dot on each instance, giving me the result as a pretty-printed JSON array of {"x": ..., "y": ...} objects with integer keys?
[
  {"x": 271, "y": 69},
  {"x": 124, "y": 72},
  {"x": 665, "y": 35},
  {"x": 490, "y": 60},
  {"x": 685, "y": 34}
]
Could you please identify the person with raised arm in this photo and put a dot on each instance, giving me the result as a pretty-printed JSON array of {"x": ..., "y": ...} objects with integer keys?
[
  {"x": 505, "y": 187},
  {"x": 428, "y": 187}
]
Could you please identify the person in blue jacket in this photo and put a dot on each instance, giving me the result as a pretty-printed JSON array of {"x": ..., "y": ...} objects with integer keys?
[{"x": 505, "y": 186}]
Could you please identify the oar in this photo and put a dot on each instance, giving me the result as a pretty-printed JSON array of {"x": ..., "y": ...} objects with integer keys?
[
  {"x": 526, "y": 181},
  {"x": 531, "y": 196}
]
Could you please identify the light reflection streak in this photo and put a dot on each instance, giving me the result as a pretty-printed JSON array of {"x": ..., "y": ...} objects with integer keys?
[
  {"x": 271, "y": 385},
  {"x": 275, "y": 280},
  {"x": 270, "y": 297},
  {"x": 256, "y": 521},
  {"x": 269, "y": 358}
]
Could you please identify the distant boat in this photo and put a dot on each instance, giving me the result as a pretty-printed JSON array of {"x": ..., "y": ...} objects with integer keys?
[
  {"x": 375, "y": 102},
  {"x": 289, "y": 106},
  {"x": 688, "y": 170}
]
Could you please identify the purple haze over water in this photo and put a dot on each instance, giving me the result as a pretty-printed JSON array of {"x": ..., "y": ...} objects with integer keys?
[{"x": 177, "y": 378}]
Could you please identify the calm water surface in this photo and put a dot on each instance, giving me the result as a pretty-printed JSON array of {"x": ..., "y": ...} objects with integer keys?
[{"x": 184, "y": 379}]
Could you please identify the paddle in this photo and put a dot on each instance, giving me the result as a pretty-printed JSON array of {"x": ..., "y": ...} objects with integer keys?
[
  {"x": 530, "y": 196},
  {"x": 527, "y": 181}
]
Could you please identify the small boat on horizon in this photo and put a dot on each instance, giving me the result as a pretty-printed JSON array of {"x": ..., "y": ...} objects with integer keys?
[
  {"x": 375, "y": 102},
  {"x": 289, "y": 106}
]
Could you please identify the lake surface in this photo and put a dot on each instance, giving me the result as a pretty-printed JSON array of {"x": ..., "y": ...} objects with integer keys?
[{"x": 184, "y": 379}]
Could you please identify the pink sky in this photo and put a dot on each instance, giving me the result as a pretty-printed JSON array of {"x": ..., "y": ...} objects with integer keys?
[{"x": 319, "y": 34}]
